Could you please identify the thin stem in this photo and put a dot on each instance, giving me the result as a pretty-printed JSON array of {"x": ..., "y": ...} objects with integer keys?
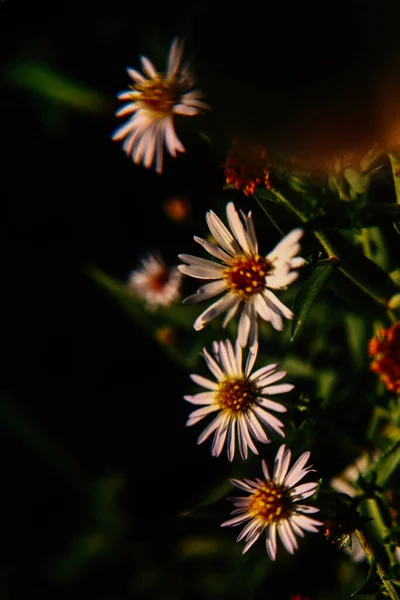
[
  {"x": 380, "y": 526},
  {"x": 395, "y": 164},
  {"x": 268, "y": 215},
  {"x": 374, "y": 560}
]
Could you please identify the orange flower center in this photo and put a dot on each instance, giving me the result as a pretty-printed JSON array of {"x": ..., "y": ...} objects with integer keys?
[
  {"x": 246, "y": 276},
  {"x": 158, "y": 281},
  {"x": 269, "y": 503},
  {"x": 159, "y": 95},
  {"x": 235, "y": 395}
]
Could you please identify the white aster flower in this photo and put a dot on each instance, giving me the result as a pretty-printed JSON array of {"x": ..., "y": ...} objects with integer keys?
[
  {"x": 153, "y": 100},
  {"x": 156, "y": 283},
  {"x": 240, "y": 399},
  {"x": 242, "y": 275},
  {"x": 273, "y": 504}
]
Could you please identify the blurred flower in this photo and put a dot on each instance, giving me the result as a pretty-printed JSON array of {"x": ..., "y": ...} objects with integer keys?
[
  {"x": 239, "y": 398},
  {"x": 157, "y": 284},
  {"x": 247, "y": 166},
  {"x": 166, "y": 335},
  {"x": 272, "y": 504},
  {"x": 178, "y": 208},
  {"x": 385, "y": 349},
  {"x": 246, "y": 277},
  {"x": 345, "y": 482},
  {"x": 154, "y": 99}
]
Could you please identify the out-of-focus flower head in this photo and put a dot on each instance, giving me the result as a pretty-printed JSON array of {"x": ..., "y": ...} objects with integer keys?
[
  {"x": 178, "y": 208},
  {"x": 384, "y": 348},
  {"x": 247, "y": 166},
  {"x": 152, "y": 101},
  {"x": 155, "y": 283},
  {"x": 240, "y": 399},
  {"x": 274, "y": 504},
  {"x": 243, "y": 276}
]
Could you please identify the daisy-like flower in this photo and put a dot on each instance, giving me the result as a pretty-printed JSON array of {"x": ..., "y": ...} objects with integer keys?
[
  {"x": 274, "y": 504},
  {"x": 239, "y": 398},
  {"x": 152, "y": 101},
  {"x": 156, "y": 283},
  {"x": 244, "y": 276}
]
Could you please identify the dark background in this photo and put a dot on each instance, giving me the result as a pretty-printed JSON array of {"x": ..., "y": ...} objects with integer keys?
[{"x": 97, "y": 464}]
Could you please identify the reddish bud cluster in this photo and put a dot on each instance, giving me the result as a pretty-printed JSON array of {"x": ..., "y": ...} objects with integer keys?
[
  {"x": 385, "y": 349},
  {"x": 247, "y": 166}
]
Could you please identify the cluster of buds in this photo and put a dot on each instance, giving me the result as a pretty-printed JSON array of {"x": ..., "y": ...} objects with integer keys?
[
  {"x": 247, "y": 166},
  {"x": 385, "y": 349}
]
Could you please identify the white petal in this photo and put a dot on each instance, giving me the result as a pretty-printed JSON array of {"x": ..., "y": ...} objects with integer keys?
[
  {"x": 282, "y": 247},
  {"x": 271, "y": 541},
  {"x": 305, "y": 490},
  {"x": 214, "y": 250},
  {"x": 221, "y": 234},
  {"x": 206, "y": 291},
  {"x": 269, "y": 420},
  {"x": 296, "y": 472},
  {"x": 220, "y": 436},
  {"x": 287, "y": 537},
  {"x": 282, "y": 388},
  {"x": 213, "y": 366},
  {"x": 200, "y": 380},
  {"x": 237, "y": 227},
  {"x": 279, "y": 306},
  {"x": 223, "y": 304},
  {"x": 244, "y": 323},
  {"x": 271, "y": 405},
  {"x": 262, "y": 372},
  {"x": 174, "y": 58},
  {"x": 202, "y": 398},
  {"x": 282, "y": 461},
  {"x": 148, "y": 67},
  {"x": 215, "y": 423},
  {"x": 306, "y": 523},
  {"x": 135, "y": 75}
]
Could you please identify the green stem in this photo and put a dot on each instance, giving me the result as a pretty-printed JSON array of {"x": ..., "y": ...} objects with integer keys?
[
  {"x": 268, "y": 215},
  {"x": 380, "y": 526},
  {"x": 374, "y": 560},
  {"x": 395, "y": 164}
]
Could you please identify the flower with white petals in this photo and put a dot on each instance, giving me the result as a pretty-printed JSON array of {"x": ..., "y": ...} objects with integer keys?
[
  {"x": 240, "y": 398},
  {"x": 243, "y": 276},
  {"x": 273, "y": 504},
  {"x": 156, "y": 283},
  {"x": 152, "y": 101}
]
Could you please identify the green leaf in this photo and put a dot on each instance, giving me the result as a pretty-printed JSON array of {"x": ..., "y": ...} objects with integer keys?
[
  {"x": 308, "y": 293},
  {"x": 386, "y": 465},
  {"x": 369, "y": 586},
  {"x": 43, "y": 80}
]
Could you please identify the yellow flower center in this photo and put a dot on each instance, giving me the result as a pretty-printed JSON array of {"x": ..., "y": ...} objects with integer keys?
[
  {"x": 246, "y": 276},
  {"x": 235, "y": 395},
  {"x": 159, "y": 94},
  {"x": 269, "y": 503}
]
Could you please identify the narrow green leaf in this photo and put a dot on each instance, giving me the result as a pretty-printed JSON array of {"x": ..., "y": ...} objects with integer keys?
[
  {"x": 369, "y": 586},
  {"x": 308, "y": 293},
  {"x": 43, "y": 80},
  {"x": 386, "y": 465}
]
